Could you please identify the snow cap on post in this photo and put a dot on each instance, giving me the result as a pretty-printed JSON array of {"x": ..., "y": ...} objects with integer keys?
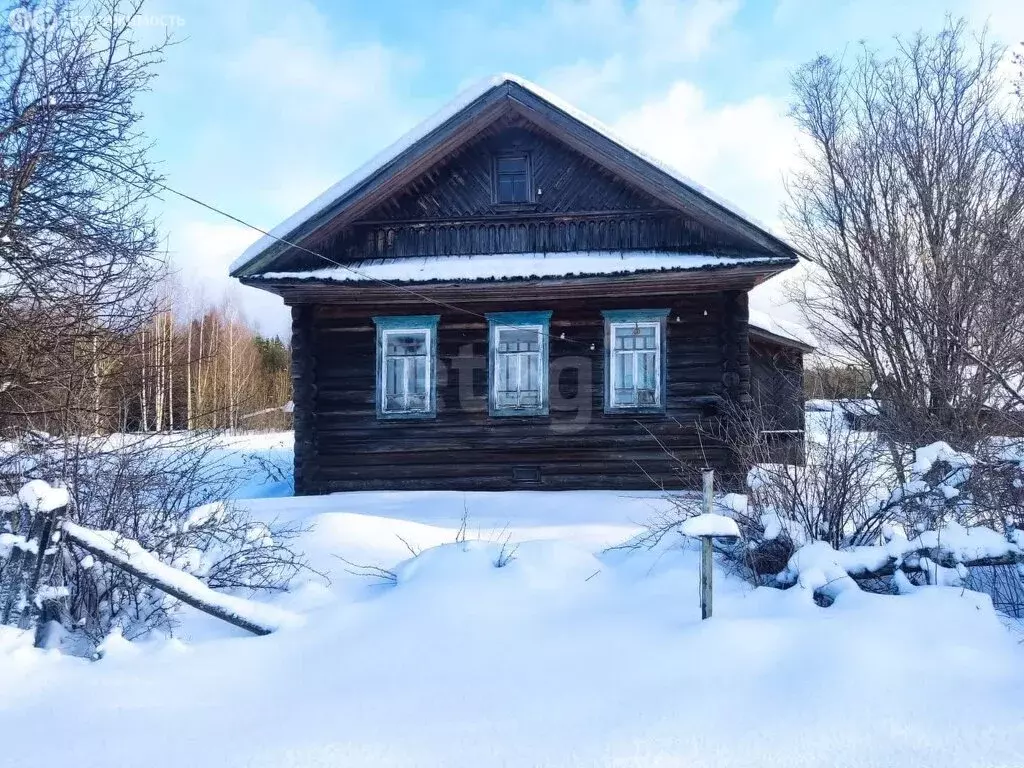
[{"x": 710, "y": 525}]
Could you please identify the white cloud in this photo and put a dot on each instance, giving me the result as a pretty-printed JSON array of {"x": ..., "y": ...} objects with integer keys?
[
  {"x": 632, "y": 44},
  {"x": 310, "y": 83},
  {"x": 588, "y": 83},
  {"x": 741, "y": 151},
  {"x": 662, "y": 30}
]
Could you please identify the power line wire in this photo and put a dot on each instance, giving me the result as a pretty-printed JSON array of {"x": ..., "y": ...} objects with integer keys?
[{"x": 353, "y": 270}]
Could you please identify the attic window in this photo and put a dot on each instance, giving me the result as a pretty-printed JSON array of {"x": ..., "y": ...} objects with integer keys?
[{"x": 512, "y": 183}]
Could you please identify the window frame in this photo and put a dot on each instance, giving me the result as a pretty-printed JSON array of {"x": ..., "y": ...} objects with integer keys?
[
  {"x": 495, "y": 183},
  {"x": 406, "y": 324},
  {"x": 517, "y": 320},
  {"x": 613, "y": 319}
]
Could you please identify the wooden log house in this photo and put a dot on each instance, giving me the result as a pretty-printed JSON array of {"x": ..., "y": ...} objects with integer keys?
[{"x": 511, "y": 298}]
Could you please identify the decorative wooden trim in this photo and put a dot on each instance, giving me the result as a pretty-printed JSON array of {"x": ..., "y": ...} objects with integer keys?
[
  {"x": 655, "y": 317},
  {"x": 386, "y": 325},
  {"x": 634, "y": 315},
  {"x": 502, "y": 213},
  {"x": 496, "y": 320}
]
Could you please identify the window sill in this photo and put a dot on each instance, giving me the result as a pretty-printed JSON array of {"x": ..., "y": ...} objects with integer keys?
[
  {"x": 504, "y": 413},
  {"x": 515, "y": 207},
  {"x": 410, "y": 416},
  {"x": 627, "y": 411}
]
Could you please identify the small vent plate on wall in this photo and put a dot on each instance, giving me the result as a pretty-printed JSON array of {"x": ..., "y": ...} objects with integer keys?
[{"x": 526, "y": 474}]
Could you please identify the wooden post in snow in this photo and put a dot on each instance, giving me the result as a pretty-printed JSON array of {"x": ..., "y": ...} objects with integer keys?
[
  {"x": 44, "y": 562},
  {"x": 706, "y": 562},
  {"x": 706, "y": 527}
]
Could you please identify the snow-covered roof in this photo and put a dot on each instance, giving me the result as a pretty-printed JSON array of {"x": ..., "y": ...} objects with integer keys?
[
  {"x": 422, "y": 269},
  {"x": 336, "y": 191},
  {"x": 784, "y": 329},
  {"x": 334, "y": 194},
  {"x": 521, "y": 266}
]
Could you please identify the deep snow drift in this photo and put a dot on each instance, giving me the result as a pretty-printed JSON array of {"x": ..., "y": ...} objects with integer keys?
[{"x": 566, "y": 655}]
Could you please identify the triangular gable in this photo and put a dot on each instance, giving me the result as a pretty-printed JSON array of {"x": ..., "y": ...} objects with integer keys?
[{"x": 461, "y": 120}]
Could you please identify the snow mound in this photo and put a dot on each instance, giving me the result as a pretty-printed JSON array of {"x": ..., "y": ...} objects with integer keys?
[{"x": 549, "y": 564}]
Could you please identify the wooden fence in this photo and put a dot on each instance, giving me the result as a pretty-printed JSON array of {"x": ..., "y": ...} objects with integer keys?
[{"x": 30, "y": 537}]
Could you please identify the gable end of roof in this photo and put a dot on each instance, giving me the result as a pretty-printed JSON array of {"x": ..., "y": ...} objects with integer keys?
[{"x": 476, "y": 104}]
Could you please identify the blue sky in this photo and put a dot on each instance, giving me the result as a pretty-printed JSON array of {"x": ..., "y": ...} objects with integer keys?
[{"x": 263, "y": 104}]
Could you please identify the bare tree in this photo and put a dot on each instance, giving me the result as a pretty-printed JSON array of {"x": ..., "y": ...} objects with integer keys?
[
  {"x": 77, "y": 243},
  {"x": 910, "y": 202}
]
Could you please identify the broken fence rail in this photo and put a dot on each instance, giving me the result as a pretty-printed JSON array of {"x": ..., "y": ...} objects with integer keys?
[{"x": 33, "y": 528}]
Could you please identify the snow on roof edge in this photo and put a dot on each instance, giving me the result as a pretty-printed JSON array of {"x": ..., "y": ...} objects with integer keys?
[
  {"x": 611, "y": 135},
  {"x": 340, "y": 188},
  {"x": 420, "y": 269},
  {"x": 418, "y": 132},
  {"x": 783, "y": 328}
]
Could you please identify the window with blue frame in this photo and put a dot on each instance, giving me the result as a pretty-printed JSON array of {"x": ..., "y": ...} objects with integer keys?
[
  {"x": 519, "y": 363},
  {"x": 406, "y": 380},
  {"x": 635, "y": 359}
]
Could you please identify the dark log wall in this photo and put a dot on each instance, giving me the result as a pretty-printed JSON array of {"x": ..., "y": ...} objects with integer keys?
[
  {"x": 577, "y": 206},
  {"x": 777, "y": 393},
  {"x": 777, "y": 384},
  {"x": 304, "y": 395},
  {"x": 341, "y": 445}
]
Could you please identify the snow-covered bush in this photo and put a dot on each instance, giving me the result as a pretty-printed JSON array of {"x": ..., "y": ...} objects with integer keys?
[
  {"x": 927, "y": 529},
  {"x": 862, "y": 511},
  {"x": 165, "y": 492},
  {"x": 831, "y": 497}
]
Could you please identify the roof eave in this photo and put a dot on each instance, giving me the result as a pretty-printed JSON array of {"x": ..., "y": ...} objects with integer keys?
[
  {"x": 639, "y": 282},
  {"x": 784, "y": 341}
]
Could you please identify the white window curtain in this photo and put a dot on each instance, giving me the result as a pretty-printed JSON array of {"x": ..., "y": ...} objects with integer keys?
[
  {"x": 518, "y": 378},
  {"x": 518, "y": 364},
  {"x": 406, "y": 371},
  {"x": 636, "y": 364}
]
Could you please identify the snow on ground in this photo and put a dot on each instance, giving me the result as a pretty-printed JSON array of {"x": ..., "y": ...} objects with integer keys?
[{"x": 568, "y": 655}]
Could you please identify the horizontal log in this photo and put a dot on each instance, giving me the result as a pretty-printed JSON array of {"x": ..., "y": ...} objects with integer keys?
[
  {"x": 468, "y": 425},
  {"x": 496, "y": 460},
  {"x": 125, "y": 563},
  {"x": 941, "y": 557},
  {"x": 334, "y": 443}
]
